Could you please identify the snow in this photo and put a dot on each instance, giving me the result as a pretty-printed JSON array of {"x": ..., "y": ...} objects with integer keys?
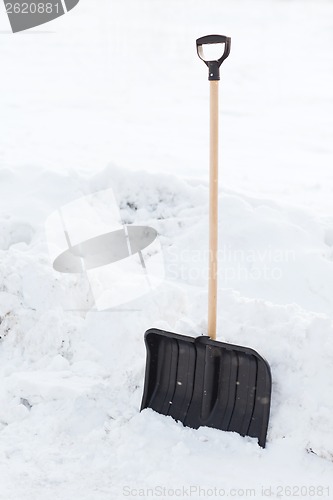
[{"x": 114, "y": 97}]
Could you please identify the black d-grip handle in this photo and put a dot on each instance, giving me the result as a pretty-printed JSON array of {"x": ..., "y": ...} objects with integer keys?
[{"x": 213, "y": 65}]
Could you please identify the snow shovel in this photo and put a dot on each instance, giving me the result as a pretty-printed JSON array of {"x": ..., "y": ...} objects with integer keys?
[{"x": 199, "y": 381}]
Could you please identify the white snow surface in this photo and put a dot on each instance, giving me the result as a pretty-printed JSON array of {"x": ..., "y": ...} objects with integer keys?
[{"x": 119, "y": 84}]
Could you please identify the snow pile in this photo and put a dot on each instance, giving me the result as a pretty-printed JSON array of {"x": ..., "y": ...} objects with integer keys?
[
  {"x": 122, "y": 82},
  {"x": 71, "y": 382}
]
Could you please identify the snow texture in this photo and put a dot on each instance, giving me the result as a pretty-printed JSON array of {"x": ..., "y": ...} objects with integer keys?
[{"x": 76, "y": 95}]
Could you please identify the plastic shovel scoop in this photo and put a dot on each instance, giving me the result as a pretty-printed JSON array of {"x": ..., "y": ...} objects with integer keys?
[{"x": 200, "y": 381}]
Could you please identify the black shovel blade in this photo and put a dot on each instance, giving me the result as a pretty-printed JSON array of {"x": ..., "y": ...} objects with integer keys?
[{"x": 202, "y": 382}]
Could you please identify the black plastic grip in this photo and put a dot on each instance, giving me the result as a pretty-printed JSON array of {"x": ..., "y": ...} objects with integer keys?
[{"x": 214, "y": 66}]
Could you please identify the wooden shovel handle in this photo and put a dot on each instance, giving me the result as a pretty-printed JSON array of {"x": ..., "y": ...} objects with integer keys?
[
  {"x": 213, "y": 209},
  {"x": 213, "y": 77}
]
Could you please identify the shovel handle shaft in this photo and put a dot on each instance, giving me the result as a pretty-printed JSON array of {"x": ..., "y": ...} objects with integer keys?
[
  {"x": 213, "y": 64},
  {"x": 213, "y": 209}
]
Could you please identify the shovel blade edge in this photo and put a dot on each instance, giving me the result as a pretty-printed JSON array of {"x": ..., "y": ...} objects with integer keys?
[{"x": 202, "y": 382}]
